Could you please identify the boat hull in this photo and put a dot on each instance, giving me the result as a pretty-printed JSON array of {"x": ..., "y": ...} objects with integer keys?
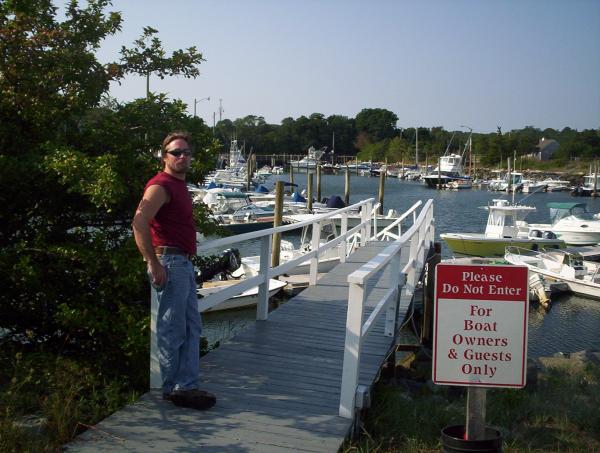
[
  {"x": 247, "y": 227},
  {"x": 578, "y": 238},
  {"x": 246, "y": 299},
  {"x": 434, "y": 182},
  {"x": 577, "y": 286},
  {"x": 491, "y": 247}
]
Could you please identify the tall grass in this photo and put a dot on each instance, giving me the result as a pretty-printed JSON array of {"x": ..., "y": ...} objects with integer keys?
[
  {"x": 46, "y": 400},
  {"x": 559, "y": 414}
]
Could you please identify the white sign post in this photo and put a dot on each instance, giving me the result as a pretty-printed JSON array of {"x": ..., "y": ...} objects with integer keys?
[{"x": 480, "y": 332}]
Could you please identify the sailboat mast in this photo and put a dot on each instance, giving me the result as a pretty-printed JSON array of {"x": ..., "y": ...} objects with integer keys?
[
  {"x": 417, "y": 147},
  {"x": 332, "y": 147},
  {"x": 471, "y": 165}
]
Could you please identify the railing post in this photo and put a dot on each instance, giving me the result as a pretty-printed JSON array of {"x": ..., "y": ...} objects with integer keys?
[
  {"x": 392, "y": 309},
  {"x": 262, "y": 306},
  {"x": 405, "y": 292},
  {"x": 351, "y": 367},
  {"x": 374, "y": 214},
  {"x": 314, "y": 261},
  {"x": 365, "y": 217},
  {"x": 155, "y": 376},
  {"x": 343, "y": 247},
  {"x": 432, "y": 226},
  {"x": 411, "y": 276}
]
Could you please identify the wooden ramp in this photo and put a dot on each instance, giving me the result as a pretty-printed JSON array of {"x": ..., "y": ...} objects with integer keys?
[{"x": 277, "y": 383}]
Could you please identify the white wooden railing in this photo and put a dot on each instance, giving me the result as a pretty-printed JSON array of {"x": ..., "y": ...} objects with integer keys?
[
  {"x": 347, "y": 237},
  {"x": 266, "y": 272},
  {"x": 405, "y": 257}
]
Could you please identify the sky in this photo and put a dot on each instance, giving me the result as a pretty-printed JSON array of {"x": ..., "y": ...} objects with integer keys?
[{"x": 450, "y": 63}]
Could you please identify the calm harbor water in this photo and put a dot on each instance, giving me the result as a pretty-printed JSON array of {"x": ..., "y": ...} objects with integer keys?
[{"x": 571, "y": 324}]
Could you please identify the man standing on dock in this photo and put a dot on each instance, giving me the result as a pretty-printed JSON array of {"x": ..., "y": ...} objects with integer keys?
[{"x": 166, "y": 237}]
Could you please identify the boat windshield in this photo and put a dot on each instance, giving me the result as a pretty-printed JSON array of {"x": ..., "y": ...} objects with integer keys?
[
  {"x": 328, "y": 233},
  {"x": 579, "y": 211}
]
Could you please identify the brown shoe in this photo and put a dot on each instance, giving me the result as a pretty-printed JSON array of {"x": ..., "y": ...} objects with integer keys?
[{"x": 194, "y": 399}]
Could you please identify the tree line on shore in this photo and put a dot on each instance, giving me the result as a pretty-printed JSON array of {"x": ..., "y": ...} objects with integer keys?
[{"x": 374, "y": 135}]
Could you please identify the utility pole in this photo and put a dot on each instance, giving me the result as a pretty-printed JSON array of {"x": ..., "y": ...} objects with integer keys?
[{"x": 221, "y": 110}]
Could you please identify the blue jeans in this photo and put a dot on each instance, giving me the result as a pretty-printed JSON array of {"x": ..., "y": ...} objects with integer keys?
[{"x": 178, "y": 326}]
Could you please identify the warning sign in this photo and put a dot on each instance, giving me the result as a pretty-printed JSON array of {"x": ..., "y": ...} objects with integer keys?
[{"x": 480, "y": 325}]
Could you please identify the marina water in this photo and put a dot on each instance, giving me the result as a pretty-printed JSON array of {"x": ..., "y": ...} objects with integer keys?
[{"x": 571, "y": 324}]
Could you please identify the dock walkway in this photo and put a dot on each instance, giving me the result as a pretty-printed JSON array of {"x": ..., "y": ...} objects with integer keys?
[{"x": 277, "y": 383}]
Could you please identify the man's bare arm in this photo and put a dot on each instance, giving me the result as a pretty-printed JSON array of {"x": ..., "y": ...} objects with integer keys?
[{"x": 154, "y": 198}]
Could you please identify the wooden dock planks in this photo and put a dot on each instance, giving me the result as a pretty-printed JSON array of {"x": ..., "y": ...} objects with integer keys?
[{"x": 277, "y": 383}]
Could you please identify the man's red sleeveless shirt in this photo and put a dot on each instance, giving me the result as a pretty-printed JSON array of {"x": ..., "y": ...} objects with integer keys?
[{"x": 173, "y": 225}]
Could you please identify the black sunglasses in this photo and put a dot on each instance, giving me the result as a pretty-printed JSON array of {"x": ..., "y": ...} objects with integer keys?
[{"x": 179, "y": 152}]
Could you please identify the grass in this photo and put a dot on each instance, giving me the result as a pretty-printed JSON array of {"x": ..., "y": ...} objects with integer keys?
[
  {"x": 558, "y": 414},
  {"x": 46, "y": 400}
]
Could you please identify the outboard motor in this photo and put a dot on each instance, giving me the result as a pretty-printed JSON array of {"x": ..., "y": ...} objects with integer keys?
[{"x": 225, "y": 263}]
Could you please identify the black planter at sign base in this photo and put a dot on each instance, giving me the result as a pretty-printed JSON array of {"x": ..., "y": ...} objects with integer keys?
[{"x": 453, "y": 441}]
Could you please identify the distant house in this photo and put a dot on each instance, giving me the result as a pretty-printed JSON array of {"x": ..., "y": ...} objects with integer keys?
[{"x": 546, "y": 148}]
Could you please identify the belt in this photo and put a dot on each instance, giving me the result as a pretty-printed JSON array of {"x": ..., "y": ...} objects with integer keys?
[{"x": 168, "y": 250}]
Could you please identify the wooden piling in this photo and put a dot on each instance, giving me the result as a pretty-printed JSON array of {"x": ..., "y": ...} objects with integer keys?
[
  {"x": 309, "y": 189},
  {"x": 381, "y": 190},
  {"x": 318, "y": 182},
  {"x": 292, "y": 177},
  {"x": 347, "y": 187},
  {"x": 429, "y": 295},
  {"x": 277, "y": 220},
  {"x": 439, "y": 174}
]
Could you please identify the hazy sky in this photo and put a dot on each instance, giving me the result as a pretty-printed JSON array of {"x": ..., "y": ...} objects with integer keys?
[{"x": 508, "y": 63}]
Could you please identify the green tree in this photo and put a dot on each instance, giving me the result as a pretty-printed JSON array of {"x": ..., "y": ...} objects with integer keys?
[
  {"x": 148, "y": 57},
  {"x": 378, "y": 123},
  {"x": 72, "y": 167}
]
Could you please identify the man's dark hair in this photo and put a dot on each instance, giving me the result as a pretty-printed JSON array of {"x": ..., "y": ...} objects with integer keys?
[{"x": 174, "y": 136}]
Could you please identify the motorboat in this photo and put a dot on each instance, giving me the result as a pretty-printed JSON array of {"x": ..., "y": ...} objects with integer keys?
[
  {"x": 591, "y": 183},
  {"x": 245, "y": 299},
  {"x": 582, "y": 277},
  {"x": 246, "y": 219},
  {"x": 513, "y": 181},
  {"x": 557, "y": 185},
  {"x": 505, "y": 227},
  {"x": 311, "y": 160},
  {"x": 463, "y": 183},
  {"x": 572, "y": 223},
  {"x": 530, "y": 186},
  {"x": 221, "y": 200},
  {"x": 221, "y": 271},
  {"x": 327, "y": 260},
  {"x": 234, "y": 174},
  {"x": 450, "y": 167}
]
